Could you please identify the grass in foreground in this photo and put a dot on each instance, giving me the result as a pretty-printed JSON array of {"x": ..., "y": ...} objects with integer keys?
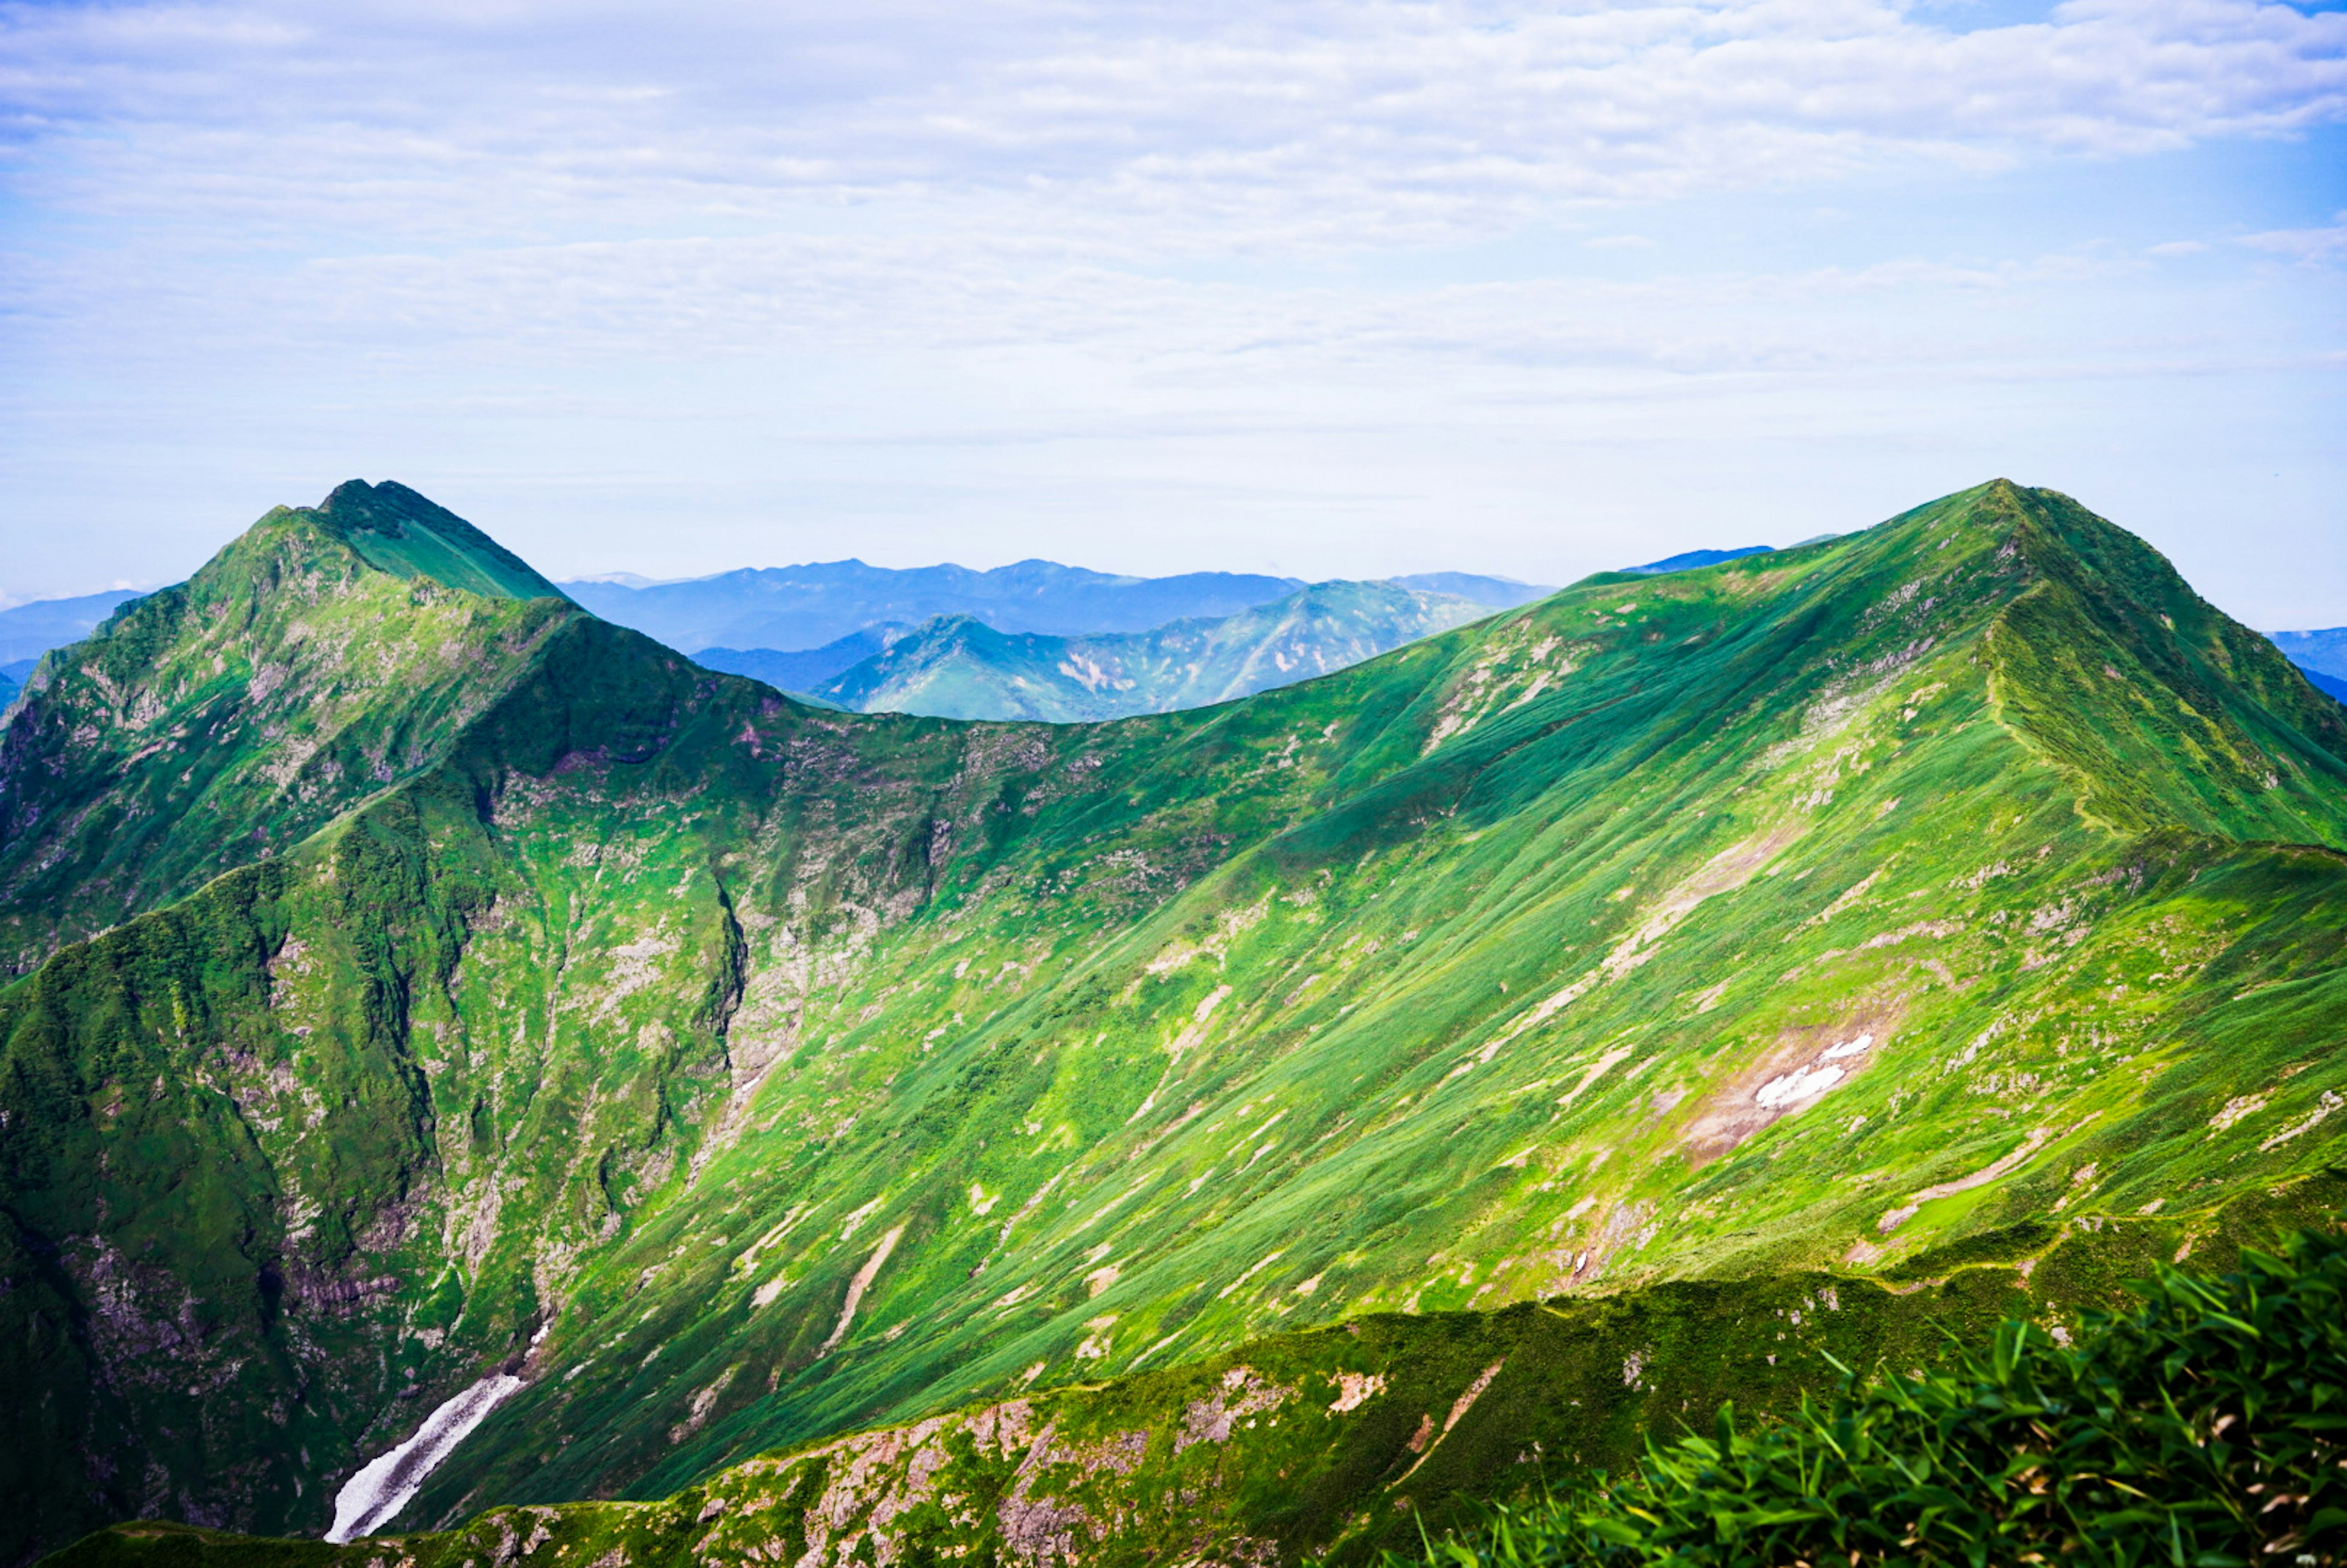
[{"x": 2208, "y": 1428}]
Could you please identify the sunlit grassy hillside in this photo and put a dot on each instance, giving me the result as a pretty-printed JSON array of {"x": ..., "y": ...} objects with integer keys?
[{"x": 745, "y": 1073}]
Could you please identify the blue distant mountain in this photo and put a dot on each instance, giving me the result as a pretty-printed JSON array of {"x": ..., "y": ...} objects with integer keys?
[
  {"x": 1690, "y": 560},
  {"x": 31, "y": 629},
  {"x": 957, "y": 667},
  {"x": 2322, "y": 655},
  {"x": 802, "y": 669},
  {"x": 2320, "y": 650}
]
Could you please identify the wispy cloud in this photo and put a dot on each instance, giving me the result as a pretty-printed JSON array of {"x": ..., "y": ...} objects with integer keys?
[
  {"x": 1273, "y": 124},
  {"x": 2311, "y": 246}
]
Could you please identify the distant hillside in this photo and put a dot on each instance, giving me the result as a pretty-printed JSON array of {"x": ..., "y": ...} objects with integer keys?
[
  {"x": 958, "y": 668},
  {"x": 754, "y": 612}
]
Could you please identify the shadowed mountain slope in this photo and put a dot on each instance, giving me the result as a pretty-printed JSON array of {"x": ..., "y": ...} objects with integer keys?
[
  {"x": 741, "y": 1074},
  {"x": 401, "y": 532},
  {"x": 961, "y": 668}
]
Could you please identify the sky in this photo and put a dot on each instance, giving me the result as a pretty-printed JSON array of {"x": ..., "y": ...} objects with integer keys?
[{"x": 1323, "y": 289}]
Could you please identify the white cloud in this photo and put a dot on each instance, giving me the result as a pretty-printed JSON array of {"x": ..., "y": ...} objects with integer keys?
[
  {"x": 1279, "y": 124},
  {"x": 2311, "y": 246}
]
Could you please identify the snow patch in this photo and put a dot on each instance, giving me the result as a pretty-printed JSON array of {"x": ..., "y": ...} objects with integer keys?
[
  {"x": 1792, "y": 1088},
  {"x": 385, "y": 1484}
]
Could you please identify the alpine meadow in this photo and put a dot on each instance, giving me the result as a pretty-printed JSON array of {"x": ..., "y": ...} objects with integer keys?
[{"x": 476, "y": 1085}]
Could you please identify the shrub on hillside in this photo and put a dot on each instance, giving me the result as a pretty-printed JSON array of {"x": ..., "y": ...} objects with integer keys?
[{"x": 2208, "y": 1428}]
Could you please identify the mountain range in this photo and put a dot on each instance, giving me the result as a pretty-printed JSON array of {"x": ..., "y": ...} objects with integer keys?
[
  {"x": 958, "y": 668},
  {"x": 994, "y": 661},
  {"x": 955, "y": 669},
  {"x": 440, "y": 1010},
  {"x": 805, "y": 607}
]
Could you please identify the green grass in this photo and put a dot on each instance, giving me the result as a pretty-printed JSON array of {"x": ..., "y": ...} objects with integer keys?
[
  {"x": 2209, "y": 1426},
  {"x": 641, "y": 1004}
]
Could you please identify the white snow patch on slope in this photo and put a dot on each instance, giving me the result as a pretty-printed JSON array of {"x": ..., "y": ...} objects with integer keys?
[
  {"x": 1807, "y": 1083},
  {"x": 384, "y": 1486}
]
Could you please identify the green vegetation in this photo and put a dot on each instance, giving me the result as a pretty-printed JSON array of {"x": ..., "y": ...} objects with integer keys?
[
  {"x": 313, "y": 662},
  {"x": 959, "y": 667},
  {"x": 1346, "y": 1443},
  {"x": 2209, "y": 1426},
  {"x": 1915, "y": 905}
]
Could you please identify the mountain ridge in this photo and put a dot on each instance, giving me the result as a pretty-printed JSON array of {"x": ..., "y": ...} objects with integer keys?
[
  {"x": 297, "y": 727},
  {"x": 796, "y": 1072}
]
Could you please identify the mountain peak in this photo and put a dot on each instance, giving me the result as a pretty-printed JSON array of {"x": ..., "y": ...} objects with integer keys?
[
  {"x": 404, "y": 532},
  {"x": 229, "y": 716}
]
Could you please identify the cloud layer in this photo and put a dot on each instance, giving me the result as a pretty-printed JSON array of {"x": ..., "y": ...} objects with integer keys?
[
  {"x": 1203, "y": 125},
  {"x": 265, "y": 238}
]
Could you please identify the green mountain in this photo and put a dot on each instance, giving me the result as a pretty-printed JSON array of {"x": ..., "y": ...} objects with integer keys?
[
  {"x": 958, "y": 668},
  {"x": 689, "y": 1074},
  {"x": 1336, "y": 1445},
  {"x": 327, "y": 654}
]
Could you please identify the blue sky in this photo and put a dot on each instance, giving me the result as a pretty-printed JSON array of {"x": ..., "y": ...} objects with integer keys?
[{"x": 1328, "y": 289}]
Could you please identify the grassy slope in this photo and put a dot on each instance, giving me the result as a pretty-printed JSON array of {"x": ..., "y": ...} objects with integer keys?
[
  {"x": 666, "y": 1007},
  {"x": 959, "y": 667}
]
